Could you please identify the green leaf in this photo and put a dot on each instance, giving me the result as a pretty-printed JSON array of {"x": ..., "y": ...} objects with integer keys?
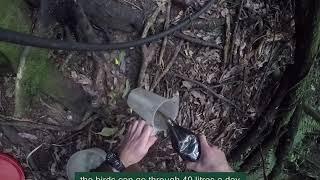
[
  {"x": 108, "y": 131},
  {"x": 119, "y": 59},
  {"x": 116, "y": 61}
]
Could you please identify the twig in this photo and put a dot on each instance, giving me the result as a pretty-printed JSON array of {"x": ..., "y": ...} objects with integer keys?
[
  {"x": 227, "y": 43},
  {"x": 165, "y": 40},
  {"x": 235, "y": 30},
  {"x": 151, "y": 21},
  {"x": 85, "y": 123},
  {"x": 196, "y": 41},
  {"x": 132, "y": 4},
  {"x": 148, "y": 52},
  {"x": 263, "y": 164},
  {"x": 173, "y": 59},
  {"x": 1, "y": 107},
  {"x": 219, "y": 96},
  {"x": 12, "y": 121}
]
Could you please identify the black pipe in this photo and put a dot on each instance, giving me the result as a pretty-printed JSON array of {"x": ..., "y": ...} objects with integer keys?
[{"x": 30, "y": 40}]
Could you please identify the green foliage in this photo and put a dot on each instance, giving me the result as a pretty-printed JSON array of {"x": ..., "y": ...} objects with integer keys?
[
  {"x": 302, "y": 153},
  {"x": 14, "y": 15},
  {"x": 269, "y": 163},
  {"x": 36, "y": 71}
]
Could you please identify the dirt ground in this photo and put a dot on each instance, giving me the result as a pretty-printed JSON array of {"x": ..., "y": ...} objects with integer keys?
[{"x": 221, "y": 88}]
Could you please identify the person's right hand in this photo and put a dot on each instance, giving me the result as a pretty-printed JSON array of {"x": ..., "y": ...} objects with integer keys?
[{"x": 212, "y": 159}]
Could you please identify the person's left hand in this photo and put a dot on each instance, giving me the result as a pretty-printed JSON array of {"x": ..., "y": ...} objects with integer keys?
[{"x": 137, "y": 142}]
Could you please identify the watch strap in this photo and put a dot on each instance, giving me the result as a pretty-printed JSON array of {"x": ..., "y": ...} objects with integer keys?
[{"x": 114, "y": 161}]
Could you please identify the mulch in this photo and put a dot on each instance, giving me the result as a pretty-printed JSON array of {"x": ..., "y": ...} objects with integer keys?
[{"x": 221, "y": 88}]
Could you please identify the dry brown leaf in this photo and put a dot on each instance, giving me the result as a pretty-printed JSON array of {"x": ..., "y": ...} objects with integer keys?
[{"x": 187, "y": 84}]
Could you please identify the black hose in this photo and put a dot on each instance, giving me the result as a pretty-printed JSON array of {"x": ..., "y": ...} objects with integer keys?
[{"x": 30, "y": 40}]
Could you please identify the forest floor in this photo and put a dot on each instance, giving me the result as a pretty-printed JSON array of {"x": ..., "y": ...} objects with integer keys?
[{"x": 224, "y": 67}]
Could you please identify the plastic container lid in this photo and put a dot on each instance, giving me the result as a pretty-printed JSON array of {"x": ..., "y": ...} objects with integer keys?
[{"x": 10, "y": 169}]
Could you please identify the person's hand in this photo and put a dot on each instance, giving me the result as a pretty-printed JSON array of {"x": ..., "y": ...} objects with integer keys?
[
  {"x": 212, "y": 159},
  {"x": 137, "y": 142}
]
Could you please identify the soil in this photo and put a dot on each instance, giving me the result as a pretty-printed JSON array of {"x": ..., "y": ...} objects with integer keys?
[{"x": 256, "y": 48}]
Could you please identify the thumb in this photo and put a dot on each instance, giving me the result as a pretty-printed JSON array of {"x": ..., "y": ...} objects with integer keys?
[
  {"x": 203, "y": 141},
  {"x": 192, "y": 165}
]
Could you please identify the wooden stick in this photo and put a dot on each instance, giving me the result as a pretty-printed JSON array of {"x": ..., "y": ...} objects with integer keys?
[
  {"x": 235, "y": 30},
  {"x": 148, "y": 52},
  {"x": 173, "y": 59},
  {"x": 12, "y": 121},
  {"x": 165, "y": 40},
  {"x": 219, "y": 96},
  {"x": 227, "y": 43},
  {"x": 86, "y": 122},
  {"x": 196, "y": 41}
]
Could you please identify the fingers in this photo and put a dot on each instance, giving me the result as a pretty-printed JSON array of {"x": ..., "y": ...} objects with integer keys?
[
  {"x": 134, "y": 127},
  {"x": 130, "y": 129},
  {"x": 147, "y": 136},
  {"x": 139, "y": 128},
  {"x": 146, "y": 132}
]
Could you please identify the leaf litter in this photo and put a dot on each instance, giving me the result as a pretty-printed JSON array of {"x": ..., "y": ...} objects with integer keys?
[{"x": 262, "y": 44}]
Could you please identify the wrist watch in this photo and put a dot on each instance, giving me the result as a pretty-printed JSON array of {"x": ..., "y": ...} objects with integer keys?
[{"x": 114, "y": 161}]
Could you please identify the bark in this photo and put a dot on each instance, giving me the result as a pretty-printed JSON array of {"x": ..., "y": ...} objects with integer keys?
[
  {"x": 285, "y": 144},
  {"x": 112, "y": 14},
  {"x": 307, "y": 48}
]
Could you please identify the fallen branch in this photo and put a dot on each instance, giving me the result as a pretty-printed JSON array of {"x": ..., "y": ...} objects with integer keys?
[
  {"x": 170, "y": 64},
  {"x": 219, "y": 96},
  {"x": 165, "y": 40},
  {"x": 148, "y": 52},
  {"x": 235, "y": 30},
  {"x": 227, "y": 42},
  {"x": 12, "y": 121},
  {"x": 86, "y": 122},
  {"x": 196, "y": 41}
]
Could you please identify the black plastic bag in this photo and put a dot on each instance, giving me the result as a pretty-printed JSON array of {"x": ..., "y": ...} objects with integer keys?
[{"x": 184, "y": 141}]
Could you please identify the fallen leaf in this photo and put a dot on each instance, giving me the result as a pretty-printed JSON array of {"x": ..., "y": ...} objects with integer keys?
[
  {"x": 108, "y": 131},
  {"x": 122, "y": 56},
  {"x": 116, "y": 61},
  {"x": 28, "y": 136},
  {"x": 199, "y": 96},
  {"x": 187, "y": 84},
  {"x": 127, "y": 89},
  {"x": 74, "y": 74},
  {"x": 82, "y": 79}
]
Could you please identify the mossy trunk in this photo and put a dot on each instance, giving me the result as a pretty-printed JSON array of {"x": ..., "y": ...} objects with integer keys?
[
  {"x": 276, "y": 119},
  {"x": 36, "y": 74}
]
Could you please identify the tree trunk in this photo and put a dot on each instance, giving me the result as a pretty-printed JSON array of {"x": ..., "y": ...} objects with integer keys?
[{"x": 287, "y": 95}]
